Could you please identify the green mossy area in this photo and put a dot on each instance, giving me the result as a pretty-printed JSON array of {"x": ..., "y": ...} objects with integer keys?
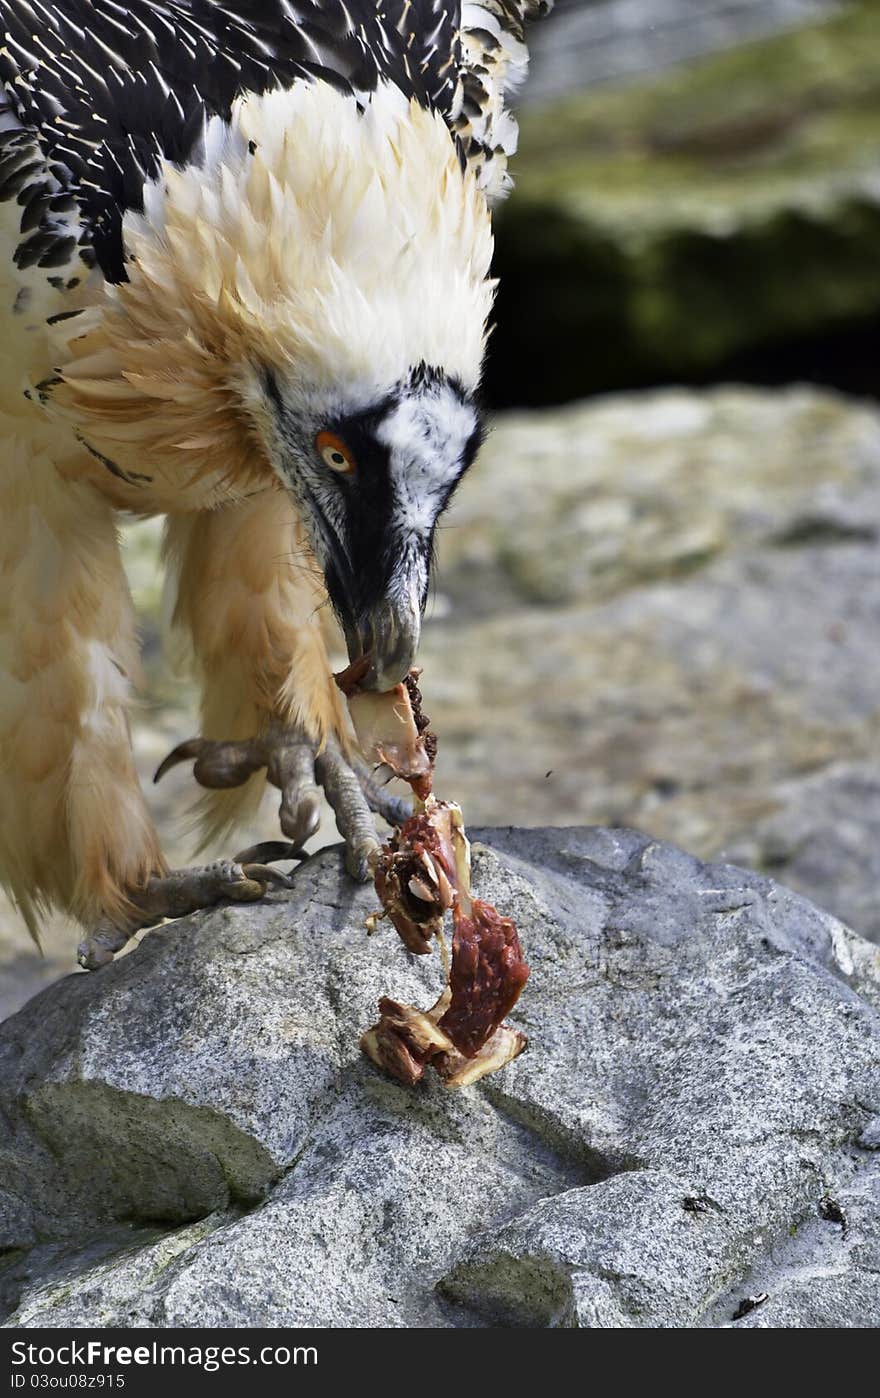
[{"x": 659, "y": 230}]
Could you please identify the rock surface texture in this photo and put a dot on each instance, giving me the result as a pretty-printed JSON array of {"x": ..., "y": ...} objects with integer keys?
[{"x": 190, "y": 1137}]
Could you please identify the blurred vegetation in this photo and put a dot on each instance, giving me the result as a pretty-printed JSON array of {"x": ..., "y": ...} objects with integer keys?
[{"x": 665, "y": 229}]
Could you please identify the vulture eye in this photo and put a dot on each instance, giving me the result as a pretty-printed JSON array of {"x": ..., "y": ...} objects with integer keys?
[{"x": 334, "y": 453}]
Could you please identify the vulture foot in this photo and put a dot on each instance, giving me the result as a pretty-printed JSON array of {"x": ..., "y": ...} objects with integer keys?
[
  {"x": 298, "y": 767},
  {"x": 182, "y": 891}
]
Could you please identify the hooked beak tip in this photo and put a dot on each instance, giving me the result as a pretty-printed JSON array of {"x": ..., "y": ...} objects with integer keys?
[{"x": 389, "y": 639}]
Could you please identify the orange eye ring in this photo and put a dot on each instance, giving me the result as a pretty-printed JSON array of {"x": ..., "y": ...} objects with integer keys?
[{"x": 334, "y": 453}]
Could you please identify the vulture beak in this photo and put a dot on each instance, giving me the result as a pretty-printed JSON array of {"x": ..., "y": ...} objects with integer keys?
[
  {"x": 389, "y": 637},
  {"x": 386, "y": 628}
]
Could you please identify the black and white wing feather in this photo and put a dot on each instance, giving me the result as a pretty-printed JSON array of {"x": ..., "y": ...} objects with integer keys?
[
  {"x": 95, "y": 92},
  {"x": 492, "y": 62}
]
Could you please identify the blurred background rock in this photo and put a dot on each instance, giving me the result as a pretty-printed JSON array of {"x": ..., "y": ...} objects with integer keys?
[
  {"x": 658, "y": 601},
  {"x": 718, "y": 219}
]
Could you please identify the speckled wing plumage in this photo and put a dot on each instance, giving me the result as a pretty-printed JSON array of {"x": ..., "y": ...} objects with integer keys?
[
  {"x": 491, "y": 62},
  {"x": 96, "y": 92}
]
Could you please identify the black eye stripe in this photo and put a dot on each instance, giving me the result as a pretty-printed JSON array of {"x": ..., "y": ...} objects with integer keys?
[
  {"x": 270, "y": 384},
  {"x": 473, "y": 443}
]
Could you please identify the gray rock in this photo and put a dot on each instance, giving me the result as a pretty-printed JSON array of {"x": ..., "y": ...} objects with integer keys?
[
  {"x": 823, "y": 838},
  {"x": 191, "y": 1137}
]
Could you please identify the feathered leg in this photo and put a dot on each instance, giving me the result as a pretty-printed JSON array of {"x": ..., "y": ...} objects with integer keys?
[
  {"x": 75, "y": 833},
  {"x": 248, "y": 598},
  {"x": 74, "y": 830}
]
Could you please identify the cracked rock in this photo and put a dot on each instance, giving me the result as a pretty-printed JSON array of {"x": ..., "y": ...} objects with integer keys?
[{"x": 191, "y": 1137}]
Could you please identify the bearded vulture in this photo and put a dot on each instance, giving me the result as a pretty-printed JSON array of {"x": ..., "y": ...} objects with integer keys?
[{"x": 245, "y": 286}]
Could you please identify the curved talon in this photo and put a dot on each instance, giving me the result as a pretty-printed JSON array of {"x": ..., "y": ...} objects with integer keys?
[
  {"x": 217, "y": 764},
  {"x": 270, "y": 852},
  {"x": 298, "y": 771},
  {"x": 182, "y": 753},
  {"x": 262, "y": 873}
]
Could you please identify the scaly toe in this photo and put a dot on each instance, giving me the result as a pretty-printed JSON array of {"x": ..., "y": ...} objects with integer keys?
[
  {"x": 354, "y": 818},
  {"x": 298, "y": 768},
  {"x": 101, "y": 945},
  {"x": 300, "y": 813},
  {"x": 360, "y": 860},
  {"x": 184, "y": 891}
]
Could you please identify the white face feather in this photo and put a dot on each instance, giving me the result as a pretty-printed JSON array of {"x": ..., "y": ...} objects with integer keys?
[
  {"x": 422, "y": 435},
  {"x": 426, "y": 436}
]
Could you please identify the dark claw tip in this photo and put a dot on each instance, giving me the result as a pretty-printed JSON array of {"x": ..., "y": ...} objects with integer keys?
[
  {"x": 182, "y": 753},
  {"x": 360, "y": 861},
  {"x": 270, "y": 852},
  {"x": 262, "y": 873},
  {"x": 91, "y": 956}
]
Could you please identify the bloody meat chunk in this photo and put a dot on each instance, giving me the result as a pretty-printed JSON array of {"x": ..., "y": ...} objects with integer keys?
[
  {"x": 462, "y": 1036},
  {"x": 422, "y": 873},
  {"x": 504, "y": 1046},
  {"x": 404, "y": 1041},
  {"x": 488, "y": 973},
  {"x": 415, "y": 877}
]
